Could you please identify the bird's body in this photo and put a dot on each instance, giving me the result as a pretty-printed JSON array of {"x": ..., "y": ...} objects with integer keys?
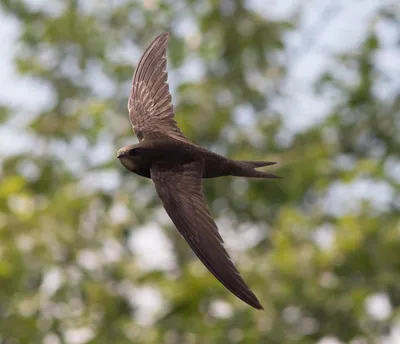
[
  {"x": 177, "y": 167},
  {"x": 165, "y": 150}
]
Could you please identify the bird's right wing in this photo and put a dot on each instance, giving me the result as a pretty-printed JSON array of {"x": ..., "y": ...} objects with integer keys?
[
  {"x": 150, "y": 106},
  {"x": 180, "y": 190}
]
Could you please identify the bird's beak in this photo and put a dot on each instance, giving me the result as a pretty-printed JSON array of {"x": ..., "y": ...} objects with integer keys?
[{"x": 120, "y": 153}]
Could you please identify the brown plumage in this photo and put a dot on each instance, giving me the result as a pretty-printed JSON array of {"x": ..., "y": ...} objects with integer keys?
[{"x": 177, "y": 166}]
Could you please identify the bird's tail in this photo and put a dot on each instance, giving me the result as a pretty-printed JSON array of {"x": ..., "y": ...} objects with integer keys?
[
  {"x": 243, "y": 168},
  {"x": 257, "y": 163}
]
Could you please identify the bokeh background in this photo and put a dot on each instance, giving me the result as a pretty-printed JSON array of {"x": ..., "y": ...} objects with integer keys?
[{"x": 87, "y": 254}]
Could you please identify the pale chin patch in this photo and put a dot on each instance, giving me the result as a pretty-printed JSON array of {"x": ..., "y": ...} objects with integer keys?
[{"x": 128, "y": 163}]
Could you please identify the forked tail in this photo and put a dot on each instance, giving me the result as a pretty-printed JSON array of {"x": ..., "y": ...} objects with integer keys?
[{"x": 243, "y": 168}]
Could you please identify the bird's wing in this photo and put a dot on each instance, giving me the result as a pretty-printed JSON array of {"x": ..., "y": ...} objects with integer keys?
[
  {"x": 150, "y": 107},
  {"x": 180, "y": 190}
]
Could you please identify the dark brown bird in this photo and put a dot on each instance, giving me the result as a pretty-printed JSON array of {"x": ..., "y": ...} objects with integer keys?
[{"x": 176, "y": 166}]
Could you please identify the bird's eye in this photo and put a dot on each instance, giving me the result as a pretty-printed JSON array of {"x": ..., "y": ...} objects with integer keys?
[{"x": 134, "y": 151}]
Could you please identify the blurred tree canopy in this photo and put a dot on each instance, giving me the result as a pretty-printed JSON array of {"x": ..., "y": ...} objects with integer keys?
[{"x": 319, "y": 248}]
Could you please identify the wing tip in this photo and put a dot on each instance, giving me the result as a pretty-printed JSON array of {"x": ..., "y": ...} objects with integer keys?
[
  {"x": 163, "y": 36},
  {"x": 250, "y": 299},
  {"x": 258, "y": 306}
]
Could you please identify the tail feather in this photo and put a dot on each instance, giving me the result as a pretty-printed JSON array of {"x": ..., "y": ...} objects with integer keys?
[
  {"x": 248, "y": 169},
  {"x": 258, "y": 163}
]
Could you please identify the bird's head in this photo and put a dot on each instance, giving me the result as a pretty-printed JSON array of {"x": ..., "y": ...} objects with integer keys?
[
  {"x": 130, "y": 156},
  {"x": 130, "y": 151}
]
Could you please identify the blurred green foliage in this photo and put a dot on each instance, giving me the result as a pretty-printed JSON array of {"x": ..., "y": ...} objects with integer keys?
[{"x": 67, "y": 272}]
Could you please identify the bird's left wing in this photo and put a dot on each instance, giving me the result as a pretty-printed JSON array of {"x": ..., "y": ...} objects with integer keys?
[
  {"x": 150, "y": 107},
  {"x": 180, "y": 190}
]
